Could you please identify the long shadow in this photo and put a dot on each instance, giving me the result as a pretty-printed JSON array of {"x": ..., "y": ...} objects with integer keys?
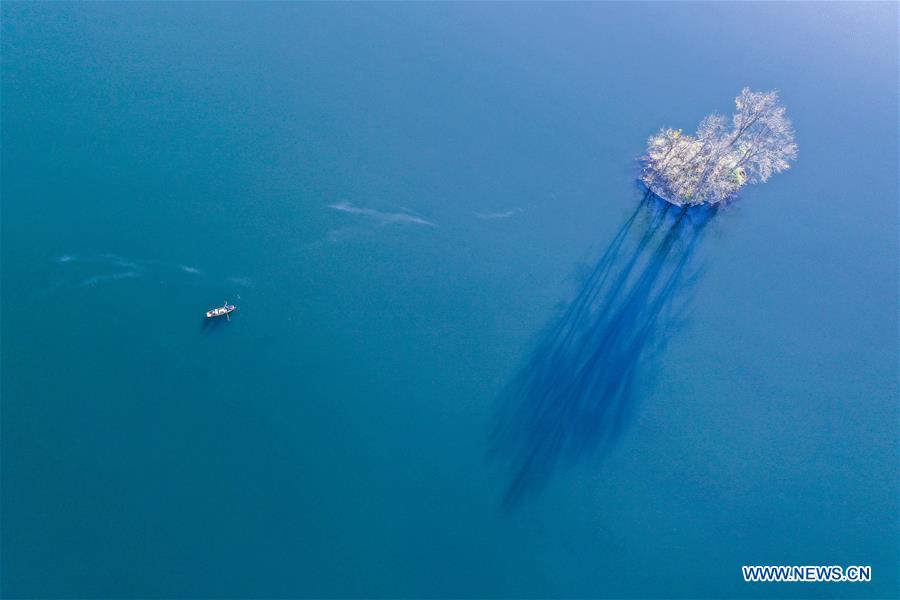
[{"x": 572, "y": 397}]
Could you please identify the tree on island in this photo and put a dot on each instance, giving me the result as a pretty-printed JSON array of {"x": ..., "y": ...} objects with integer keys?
[
  {"x": 578, "y": 386},
  {"x": 719, "y": 161}
]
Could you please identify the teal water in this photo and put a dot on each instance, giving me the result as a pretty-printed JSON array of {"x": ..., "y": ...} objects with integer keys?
[{"x": 399, "y": 199}]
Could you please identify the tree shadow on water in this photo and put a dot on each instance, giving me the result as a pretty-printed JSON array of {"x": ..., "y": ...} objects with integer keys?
[{"x": 571, "y": 398}]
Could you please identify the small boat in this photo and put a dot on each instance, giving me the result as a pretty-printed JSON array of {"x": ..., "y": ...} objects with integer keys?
[{"x": 221, "y": 311}]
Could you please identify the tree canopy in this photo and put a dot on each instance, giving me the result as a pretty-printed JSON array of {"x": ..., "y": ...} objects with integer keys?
[{"x": 719, "y": 160}]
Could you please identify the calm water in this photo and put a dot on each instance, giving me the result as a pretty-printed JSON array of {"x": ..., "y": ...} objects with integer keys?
[{"x": 399, "y": 199}]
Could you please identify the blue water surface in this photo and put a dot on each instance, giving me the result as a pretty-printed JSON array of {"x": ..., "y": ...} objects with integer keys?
[{"x": 401, "y": 199}]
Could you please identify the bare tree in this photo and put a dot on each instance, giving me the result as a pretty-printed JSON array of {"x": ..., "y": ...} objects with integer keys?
[{"x": 718, "y": 161}]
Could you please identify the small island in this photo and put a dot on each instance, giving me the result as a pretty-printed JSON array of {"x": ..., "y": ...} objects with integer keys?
[{"x": 718, "y": 161}]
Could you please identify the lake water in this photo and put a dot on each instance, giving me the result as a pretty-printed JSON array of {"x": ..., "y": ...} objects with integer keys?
[{"x": 400, "y": 199}]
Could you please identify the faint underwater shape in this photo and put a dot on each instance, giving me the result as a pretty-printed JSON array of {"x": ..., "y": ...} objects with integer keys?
[
  {"x": 244, "y": 281},
  {"x": 379, "y": 219},
  {"x": 379, "y": 216},
  {"x": 490, "y": 216},
  {"x": 132, "y": 268},
  {"x": 119, "y": 261},
  {"x": 572, "y": 398},
  {"x": 94, "y": 280},
  {"x": 341, "y": 233}
]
